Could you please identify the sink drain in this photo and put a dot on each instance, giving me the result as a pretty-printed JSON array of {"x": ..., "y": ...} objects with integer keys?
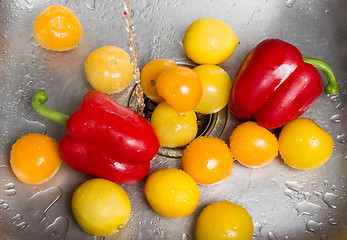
[{"x": 212, "y": 125}]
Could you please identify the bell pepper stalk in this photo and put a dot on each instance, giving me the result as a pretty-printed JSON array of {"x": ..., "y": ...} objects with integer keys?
[
  {"x": 275, "y": 84},
  {"x": 104, "y": 138}
]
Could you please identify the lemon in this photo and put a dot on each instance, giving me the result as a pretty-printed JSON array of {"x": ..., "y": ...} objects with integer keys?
[
  {"x": 101, "y": 207},
  {"x": 209, "y": 41},
  {"x": 224, "y": 220},
  {"x": 172, "y": 193}
]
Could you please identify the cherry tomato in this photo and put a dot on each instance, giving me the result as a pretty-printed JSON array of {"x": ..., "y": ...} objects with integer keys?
[
  {"x": 108, "y": 69},
  {"x": 57, "y": 28},
  {"x": 224, "y": 220},
  {"x": 253, "y": 145},
  {"x": 209, "y": 40},
  {"x": 174, "y": 129},
  {"x": 208, "y": 160},
  {"x": 180, "y": 87},
  {"x": 305, "y": 145},
  {"x": 35, "y": 158},
  {"x": 149, "y": 75},
  {"x": 216, "y": 85}
]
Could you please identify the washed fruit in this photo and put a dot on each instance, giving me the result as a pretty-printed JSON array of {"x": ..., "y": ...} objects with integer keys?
[
  {"x": 172, "y": 193},
  {"x": 108, "y": 69},
  {"x": 149, "y": 75},
  {"x": 209, "y": 41},
  {"x": 57, "y": 28},
  {"x": 224, "y": 220},
  {"x": 101, "y": 207},
  {"x": 216, "y": 86},
  {"x": 174, "y": 129},
  {"x": 304, "y": 145},
  {"x": 180, "y": 87},
  {"x": 35, "y": 158},
  {"x": 208, "y": 160},
  {"x": 253, "y": 145}
]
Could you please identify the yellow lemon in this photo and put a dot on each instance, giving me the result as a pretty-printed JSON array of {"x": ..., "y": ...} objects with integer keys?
[
  {"x": 172, "y": 193},
  {"x": 224, "y": 220},
  {"x": 101, "y": 207}
]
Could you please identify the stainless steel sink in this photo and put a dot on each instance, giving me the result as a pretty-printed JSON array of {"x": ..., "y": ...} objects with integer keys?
[{"x": 284, "y": 203}]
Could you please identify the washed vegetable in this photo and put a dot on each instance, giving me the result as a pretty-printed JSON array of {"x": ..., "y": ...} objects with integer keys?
[
  {"x": 275, "y": 85},
  {"x": 108, "y": 69},
  {"x": 34, "y": 158},
  {"x": 103, "y": 138},
  {"x": 174, "y": 129},
  {"x": 172, "y": 193},
  {"x": 216, "y": 85},
  {"x": 224, "y": 220},
  {"x": 305, "y": 145},
  {"x": 180, "y": 87},
  {"x": 149, "y": 75},
  {"x": 101, "y": 207},
  {"x": 209, "y": 41},
  {"x": 253, "y": 145},
  {"x": 57, "y": 28},
  {"x": 208, "y": 160}
]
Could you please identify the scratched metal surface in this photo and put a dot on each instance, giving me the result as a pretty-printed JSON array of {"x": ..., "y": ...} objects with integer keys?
[{"x": 284, "y": 203}]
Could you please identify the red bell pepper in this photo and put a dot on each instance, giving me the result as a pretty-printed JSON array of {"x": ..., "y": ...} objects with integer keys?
[
  {"x": 103, "y": 138},
  {"x": 275, "y": 84}
]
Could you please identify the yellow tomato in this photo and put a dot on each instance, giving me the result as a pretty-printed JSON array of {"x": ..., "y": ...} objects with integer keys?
[
  {"x": 209, "y": 41},
  {"x": 174, "y": 129},
  {"x": 224, "y": 220},
  {"x": 57, "y": 28},
  {"x": 35, "y": 158},
  {"x": 172, "y": 193},
  {"x": 253, "y": 145},
  {"x": 180, "y": 87},
  {"x": 149, "y": 75},
  {"x": 208, "y": 160},
  {"x": 108, "y": 69},
  {"x": 101, "y": 207},
  {"x": 305, "y": 145},
  {"x": 216, "y": 86}
]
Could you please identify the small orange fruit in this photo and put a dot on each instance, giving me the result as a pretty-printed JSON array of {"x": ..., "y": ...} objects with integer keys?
[
  {"x": 57, "y": 28},
  {"x": 253, "y": 145},
  {"x": 208, "y": 160},
  {"x": 35, "y": 158}
]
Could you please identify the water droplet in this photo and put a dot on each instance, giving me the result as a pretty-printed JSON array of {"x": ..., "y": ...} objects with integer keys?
[
  {"x": 58, "y": 229},
  {"x": 3, "y": 205},
  {"x": 324, "y": 237},
  {"x": 335, "y": 97},
  {"x": 286, "y": 238},
  {"x": 90, "y": 4},
  {"x": 330, "y": 199},
  {"x": 29, "y": 6},
  {"x": 340, "y": 106},
  {"x": 328, "y": 11},
  {"x": 333, "y": 221},
  {"x": 313, "y": 226},
  {"x": 185, "y": 236},
  {"x": 341, "y": 138},
  {"x": 290, "y": 3},
  {"x": 9, "y": 189},
  {"x": 271, "y": 236},
  {"x": 17, "y": 221},
  {"x": 336, "y": 118},
  {"x": 307, "y": 208},
  {"x": 257, "y": 229},
  {"x": 295, "y": 186}
]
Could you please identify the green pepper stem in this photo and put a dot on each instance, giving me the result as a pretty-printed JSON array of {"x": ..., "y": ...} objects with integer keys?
[
  {"x": 332, "y": 87},
  {"x": 39, "y": 98}
]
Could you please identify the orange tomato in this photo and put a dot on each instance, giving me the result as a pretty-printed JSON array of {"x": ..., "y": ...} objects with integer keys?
[
  {"x": 208, "y": 160},
  {"x": 253, "y": 145},
  {"x": 180, "y": 87},
  {"x": 149, "y": 75},
  {"x": 57, "y": 28},
  {"x": 35, "y": 158}
]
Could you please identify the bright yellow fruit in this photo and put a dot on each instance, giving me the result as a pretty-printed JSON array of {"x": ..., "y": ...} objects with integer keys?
[
  {"x": 35, "y": 158},
  {"x": 209, "y": 41},
  {"x": 304, "y": 145},
  {"x": 224, "y": 220},
  {"x": 101, "y": 207},
  {"x": 172, "y": 193}
]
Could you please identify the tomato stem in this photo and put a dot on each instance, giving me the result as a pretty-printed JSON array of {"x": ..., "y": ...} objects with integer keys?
[{"x": 37, "y": 101}]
